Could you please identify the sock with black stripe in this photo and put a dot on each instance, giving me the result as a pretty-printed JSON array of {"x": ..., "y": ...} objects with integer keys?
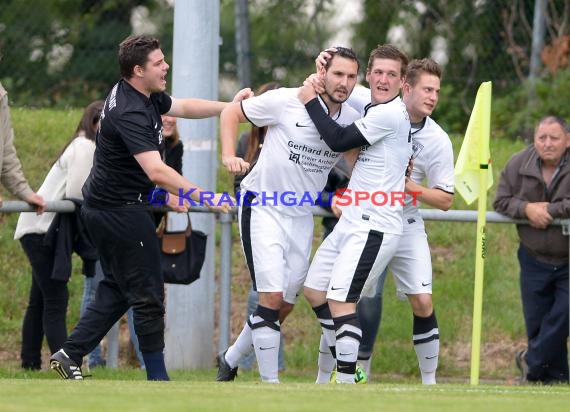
[{"x": 426, "y": 345}]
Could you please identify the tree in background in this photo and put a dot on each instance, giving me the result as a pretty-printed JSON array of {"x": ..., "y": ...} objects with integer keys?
[
  {"x": 474, "y": 40},
  {"x": 61, "y": 52},
  {"x": 285, "y": 37}
]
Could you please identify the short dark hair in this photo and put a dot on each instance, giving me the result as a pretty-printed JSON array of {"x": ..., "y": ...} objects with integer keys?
[
  {"x": 417, "y": 67},
  {"x": 387, "y": 51},
  {"x": 134, "y": 51},
  {"x": 343, "y": 52},
  {"x": 553, "y": 119}
]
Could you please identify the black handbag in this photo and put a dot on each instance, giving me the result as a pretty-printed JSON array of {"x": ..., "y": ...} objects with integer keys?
[{"x": 183, "y": 253}]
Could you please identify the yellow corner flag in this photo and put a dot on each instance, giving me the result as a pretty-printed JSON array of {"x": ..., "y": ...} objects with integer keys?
[
  {"x": 474, "y": 154},
  {"x": 473, "y": 177}
]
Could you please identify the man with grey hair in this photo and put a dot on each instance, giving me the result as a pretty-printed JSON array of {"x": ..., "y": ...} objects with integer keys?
[{"x": 535, "y": 185}]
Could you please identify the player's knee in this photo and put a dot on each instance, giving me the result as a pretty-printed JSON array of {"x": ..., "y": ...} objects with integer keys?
[
  {"x": 314, "y": 297},
  {"x": 422, "y": 304},
  {"x": 272, "y": 300}
]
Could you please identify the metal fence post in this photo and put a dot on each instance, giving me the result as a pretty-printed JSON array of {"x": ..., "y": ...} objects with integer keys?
[
  {"x": 225, "y": 280},
  {"x": 226, "y": 221}
]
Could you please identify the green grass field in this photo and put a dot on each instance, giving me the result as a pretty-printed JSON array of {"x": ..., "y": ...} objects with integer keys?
[
  {"x": 40, "y": 136},
  {"x": 195, "y": 392}
]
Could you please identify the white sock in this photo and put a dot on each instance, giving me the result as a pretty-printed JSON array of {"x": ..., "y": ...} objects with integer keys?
[
  {"x": 326, "y": 362},
  {"x": 426, "y": 344},
  {"x": 241, "y": 347},
  {"x": 266, "y": 342},
  {"x": 428, "y": 356},
  {"x": 346, "y": 354},
  {"x": 348, "y": 335}
]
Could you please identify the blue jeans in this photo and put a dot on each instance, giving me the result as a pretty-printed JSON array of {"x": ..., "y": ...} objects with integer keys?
[
  {"x": 544, "y": 293},
  {"x": 369, "y": 311},
  {"x": 95, "y": 357}
]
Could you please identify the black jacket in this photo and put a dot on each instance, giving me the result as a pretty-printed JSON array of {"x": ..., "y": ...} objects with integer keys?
[{"x": 66, "y": 235}]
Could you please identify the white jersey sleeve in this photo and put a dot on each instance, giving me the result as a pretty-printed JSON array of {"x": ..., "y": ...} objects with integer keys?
[
  {"x": 441, "y": 173},
  {"x": 265, "y": 109},
  {"x": 433, "y": 167},
  {"x": 359, "y": 99},
  {"x": 378, "y": 124}
]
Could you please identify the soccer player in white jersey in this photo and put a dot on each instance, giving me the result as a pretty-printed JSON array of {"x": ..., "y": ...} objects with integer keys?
[
  {"x": 411, "y": 265},
  {"x": 277, "y": 196},
  {"x": 350, "y": 260}
]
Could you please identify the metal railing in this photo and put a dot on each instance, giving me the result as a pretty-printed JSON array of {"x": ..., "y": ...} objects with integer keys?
[{"x": 226, "y": 221}]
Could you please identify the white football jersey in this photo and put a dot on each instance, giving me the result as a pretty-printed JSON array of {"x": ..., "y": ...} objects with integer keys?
[
  {"x": 433, "y": 159},
  {"x": 359, "y": 99},
  {"x": 381, "y": 167},
  {"x": 294, "y": 162},
  {"x": 433, "y": 162}
]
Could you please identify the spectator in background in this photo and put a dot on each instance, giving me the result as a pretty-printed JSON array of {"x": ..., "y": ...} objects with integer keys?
[
  {"x": 47, "y": 305},
  {"x": 11, "y": 174},
  {"x": 174, "y": 149},
  {"x": 535, "y": 185}
]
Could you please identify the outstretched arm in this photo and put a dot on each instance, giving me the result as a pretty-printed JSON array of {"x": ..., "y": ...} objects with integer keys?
[
  {"x": 202, "y": 108},
  {"x": 165, "y": 176}
]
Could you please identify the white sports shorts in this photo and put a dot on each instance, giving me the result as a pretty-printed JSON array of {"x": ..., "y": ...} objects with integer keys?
[
  {"x": 277, "y": 249},
  {"x": 411, "y": 265},
  {"x": 350, "y": 260}
]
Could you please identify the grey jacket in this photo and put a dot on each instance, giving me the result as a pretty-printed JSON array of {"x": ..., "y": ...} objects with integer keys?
[
  {"x": 521, "y": 182},
  {"x": 11, "y": 175}
]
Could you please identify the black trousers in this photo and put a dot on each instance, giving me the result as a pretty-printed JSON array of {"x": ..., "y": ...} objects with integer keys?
[
  {"x": 47, "y": 304},
  {"x": 544, "y": 291},
  {"x": 130, "y": 256}
]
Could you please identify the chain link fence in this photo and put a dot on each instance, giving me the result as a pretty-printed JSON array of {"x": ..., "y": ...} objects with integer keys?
[{"x": 61, "y": 53}]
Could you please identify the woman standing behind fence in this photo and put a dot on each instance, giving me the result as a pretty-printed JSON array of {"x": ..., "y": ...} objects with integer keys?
[{"x": 47, "y": 305}]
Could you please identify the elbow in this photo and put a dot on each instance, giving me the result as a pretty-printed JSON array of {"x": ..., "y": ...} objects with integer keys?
[{"x": 156, "y": 175}]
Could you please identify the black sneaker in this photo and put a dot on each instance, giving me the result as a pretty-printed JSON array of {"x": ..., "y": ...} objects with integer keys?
[
  {"x": 522, "y": 365},
  {"x": 225, "y": 372},
  {"x": 63, "y": 365}
]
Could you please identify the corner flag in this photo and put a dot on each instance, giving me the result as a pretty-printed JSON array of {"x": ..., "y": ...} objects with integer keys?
[
  {"x": 474, "y": 154},
  {"x": 474, "y": 177}
]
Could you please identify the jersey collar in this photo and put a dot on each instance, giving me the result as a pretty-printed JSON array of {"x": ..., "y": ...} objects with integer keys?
[
  {"x": 327, "y": 110},
  {"x": 370, "y": 105}
]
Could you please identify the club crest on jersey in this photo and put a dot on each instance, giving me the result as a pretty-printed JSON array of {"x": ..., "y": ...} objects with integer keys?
[
  {"x": 294, "y": 157},
  {"x": 417, "y": 147},
  {"x": 160, "y": 137}
]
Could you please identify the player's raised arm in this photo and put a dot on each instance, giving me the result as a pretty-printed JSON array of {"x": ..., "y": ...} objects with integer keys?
[{"x": 230, "y": 119}]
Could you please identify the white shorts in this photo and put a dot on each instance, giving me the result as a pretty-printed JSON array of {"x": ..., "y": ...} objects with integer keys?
[
  {"x": 350, "y": 260},
  {"x": 411, "y": 265},
  {"x": 277, "y": 249}
]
